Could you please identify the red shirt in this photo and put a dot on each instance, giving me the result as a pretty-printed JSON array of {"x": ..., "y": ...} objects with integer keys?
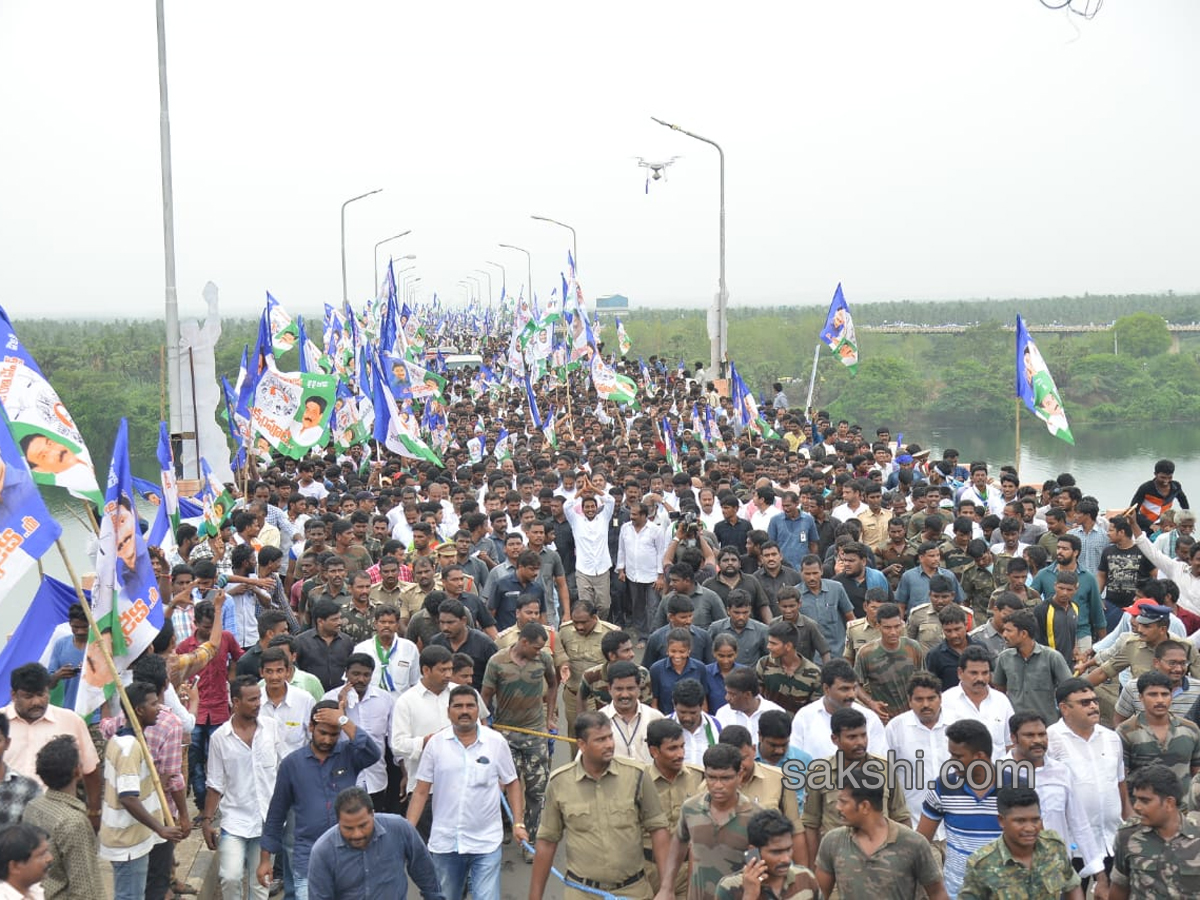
[{"x": 213, "y": 680}]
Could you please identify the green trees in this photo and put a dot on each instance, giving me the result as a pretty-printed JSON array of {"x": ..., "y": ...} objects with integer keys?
[{"x": 1142, "y": 334}]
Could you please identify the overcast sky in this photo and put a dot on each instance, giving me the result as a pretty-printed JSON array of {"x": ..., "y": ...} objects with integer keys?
[{"x": 931, "y": 150}]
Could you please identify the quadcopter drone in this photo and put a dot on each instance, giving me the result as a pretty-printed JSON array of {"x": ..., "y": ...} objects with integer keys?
[{"x": 658, "y": 170}]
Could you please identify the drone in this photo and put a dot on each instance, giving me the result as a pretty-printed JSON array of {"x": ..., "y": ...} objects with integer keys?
[{"x": 658, "y": 170}]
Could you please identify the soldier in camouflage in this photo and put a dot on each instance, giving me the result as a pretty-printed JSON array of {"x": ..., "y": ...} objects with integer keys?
[
  {"x": 954, "y": 551},
  {"x": 1026, "y": 862},
  {"x": 712, "y": 828},
  {"x": 675, "y": 781},
  {"x": 979, "y": 581},
  {"x": 787, "y": 678},
  {"x": 770, "y": 872},
  {"x": 1157, "y": 854},
  {"x": 519, "y": 684},
  {"x": 1156, "y": 736},
  {"x": 885, "y": 665}
]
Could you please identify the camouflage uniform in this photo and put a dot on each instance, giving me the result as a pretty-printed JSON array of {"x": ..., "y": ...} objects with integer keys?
[
  {"x": 593, "y": 688},
  {"x": 992, "y": 871},
  {"x": 924, "y": 627},
  {"x": 716, "y": 850},
  {"x": 1031, "y": 599},
  {"x": 359, "y": 625},
  {"x": 1180, "y": 752},
  {"x": 1151, "y": 867},
  {"x": 888, "y": 556},
  {"x": 885, "y": 673},
  {"x": 518, "y": 702},
  {"x": 671, "y": 794},
  {"x": 580, "y": 652},
  {"x": 897, "y": 869},
  {"x": 798, "y": 884},
  {"x": 978, "y": 585},
  {"x": 858, "y": 633},
  {"x": 602, "y": 820},
  {"x": 820, "y": 803},
  {"x": 956, "y": 559},
  {"x": 789, "y": 691}
]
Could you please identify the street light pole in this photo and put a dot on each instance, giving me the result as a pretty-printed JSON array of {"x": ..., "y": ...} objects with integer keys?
[
  {"x": 478, "y": 286},
  {"x": 394, "y": 237},
  {"x": 503, "y": 275},
  {"x": 489, "y": 278},
  {"x": 720, "y": 343},
  {"x": 412, "y": 288},
  {"x": 574, "y": 244},
  {"x": 345, "y": 293},
  {"x": 174, "y": 392},
  {"x": 528, "y": 267}
]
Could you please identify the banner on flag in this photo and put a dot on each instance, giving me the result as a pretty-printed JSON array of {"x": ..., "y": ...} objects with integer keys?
[
  {"x": 125, "y": 600},
  {"x": 26, "y": 528},
  {"x": 1035, "y": 386},
  {"x": 838, "y": 333},
  {"x": 611, "y": 386},
  {"x": 291, "y": 409}
]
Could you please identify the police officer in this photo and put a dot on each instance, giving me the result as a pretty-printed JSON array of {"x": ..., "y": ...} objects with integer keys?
[
  {"x": 578, "y": 650},
  {"x": 601, "y": 805}
]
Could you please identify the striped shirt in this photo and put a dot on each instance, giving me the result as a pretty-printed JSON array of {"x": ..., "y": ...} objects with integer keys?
[
  {"x": 126, "y": 771},
  {"x": 971, "y": 822}
]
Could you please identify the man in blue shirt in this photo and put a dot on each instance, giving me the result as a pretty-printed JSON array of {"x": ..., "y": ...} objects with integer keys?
[
  {"x": 795, "y": 532},
  {"x": 367, "y": 854},
  {"x": 66, "y": 658},
  {"x": 676, "y": 666},
  {"x": 913, "y": 589},
  {"x": 522, "y": 581},
  {"x": 309, "y": 781}
]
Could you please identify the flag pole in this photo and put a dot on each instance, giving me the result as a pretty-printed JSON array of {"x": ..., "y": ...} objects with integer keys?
[
  {"x": 1018, "y": 460},
  {"x": 812, "y": 379},
  {"x": 130, "y": 715}
]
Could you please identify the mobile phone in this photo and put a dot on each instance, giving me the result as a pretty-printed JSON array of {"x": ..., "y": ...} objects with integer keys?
[{"x": 752, "y": 855}]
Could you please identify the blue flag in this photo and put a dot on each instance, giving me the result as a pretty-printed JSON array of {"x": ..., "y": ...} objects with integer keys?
[
  {"x": 125, "y": 599},
  {"x": 27, "y": 530},
  {"x": 1035, "y": 386},
  {"x": 47, "y": 611}
]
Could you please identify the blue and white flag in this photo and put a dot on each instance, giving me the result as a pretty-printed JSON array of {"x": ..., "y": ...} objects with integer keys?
[
  {"x": 46, "y": 612},
  {"x": 125, "y": 599},
  {"x": 838, "y": 333},
  {"x": 1035, "y": 386},
  {"x": 166, "y": 521},
  {"x": 26, "y": 529}
]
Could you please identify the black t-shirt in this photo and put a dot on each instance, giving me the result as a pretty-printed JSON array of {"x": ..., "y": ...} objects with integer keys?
[{"x": 1123, "y": 570}]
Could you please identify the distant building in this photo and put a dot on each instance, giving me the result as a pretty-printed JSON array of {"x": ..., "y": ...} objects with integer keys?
[{"x": 613, "y": 303}]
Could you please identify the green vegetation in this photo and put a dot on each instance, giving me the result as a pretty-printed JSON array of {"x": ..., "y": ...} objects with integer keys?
[{"x": 107, "y": 369}]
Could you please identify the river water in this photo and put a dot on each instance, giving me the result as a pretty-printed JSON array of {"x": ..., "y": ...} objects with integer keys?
[{"x": 1108, "y": 462}]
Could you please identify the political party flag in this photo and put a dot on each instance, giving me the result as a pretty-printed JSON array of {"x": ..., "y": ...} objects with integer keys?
[
  {"x": 744, "y": 405},
  {"x": 549, "y": 431},
  {"x": 291, "y": 410},
  {"x": 26, "y": 528},
  {"x": 1036, "y": 387},
  {"x": 611, "y": 386},
  {"x": 838, "y": 333},
  {"x": 46, "y": 612},
  {"x": 623, "y": 342},
  {"x": 396, "y": 429},
  {"x": 259, "y": 362},
  {"x": 238, "y": 426},
  {"x": 477, "y": 446},
  {"x": 216, "y": 503},
  {"x": 698, "y": 425},
  {"x": 166, "y": 520},
  {"x": 284, "y": 333},
  {"x": 125, "y": 600},
  {"x": 672, "y": 447},
  {"x": 311, "y": 357},
  {"x": 533, "y": 407},
  {"x": 346, "y": 424},
  {"x": 40, "y": 424},
  {"x": 712, "y": 433},
  {"x": 502, "y": 449}
]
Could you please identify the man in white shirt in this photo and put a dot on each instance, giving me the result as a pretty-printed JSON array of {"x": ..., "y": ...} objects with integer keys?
[
  {"x": 589, "y": 518},
  {"x": 763, "y": 508},
  {"x": 700, "y": 730},
  {"x": 470, "y": 764},
  {"x": 640, "y": 550},
  {"x": 852, "y": 503},
  {"x": 1095, "y": 758},
  {"x": 974, "y": 698},
  {"x": 370, "y": 709},
  {"x": 243, "y": 757},
  {"x": 629, "y": 716},
  {"x": 396, "y": 659},
  {"x": 290, "y": 707},
  {"x": 918, "y": 737},
  {"x": 421, "y": 710},
  {"x": 743, "y": 703},
  {"x": 810, "y": 728},
  {"x": 1062, "y": 806}
]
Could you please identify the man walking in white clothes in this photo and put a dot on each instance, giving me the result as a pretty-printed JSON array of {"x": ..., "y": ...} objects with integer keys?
[{"x": 589, "y": 518}]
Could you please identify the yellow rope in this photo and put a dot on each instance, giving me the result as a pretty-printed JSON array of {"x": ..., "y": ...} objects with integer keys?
[{"x": 544, "y": 734}]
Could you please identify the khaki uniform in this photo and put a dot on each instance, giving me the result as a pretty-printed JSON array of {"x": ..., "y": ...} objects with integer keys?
[
  {"x": 381, "y": 596},
  {"x": 688, "y": 783},
  {"x": 858, "y": 633},
  {"x": 924, "y": 627},
  {"x": 603, "y": 820},
  {"x": 874, "y": 526},
  {"x": 765, "y": 788},
  {"x": 580, "y": 652}
]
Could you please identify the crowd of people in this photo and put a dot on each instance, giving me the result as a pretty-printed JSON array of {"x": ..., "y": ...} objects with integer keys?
[{"x": 779, "y": 667}]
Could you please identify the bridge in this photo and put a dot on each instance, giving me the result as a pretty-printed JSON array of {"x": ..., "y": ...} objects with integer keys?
[{"x": 1042, "y": 329}]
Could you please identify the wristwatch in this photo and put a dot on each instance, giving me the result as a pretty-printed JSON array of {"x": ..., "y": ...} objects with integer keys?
[{"x": 342, "y": 720}]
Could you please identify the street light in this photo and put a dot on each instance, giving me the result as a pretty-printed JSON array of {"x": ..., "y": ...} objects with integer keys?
[
  {"x": 394, "y": 237},
  {"x": 345, "y": 293},
  {"x": 412, "y": 288},
  {"x": 503, "y": 275},
  {"x": 489, "y": 278},
  {"x": 478, "y": 286},
  {"x": 528, "y": 266},
  {"x": 721, "y": 340},
  {"x": 574, "y": 245},
  {"x": 466, "y": 286}
]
